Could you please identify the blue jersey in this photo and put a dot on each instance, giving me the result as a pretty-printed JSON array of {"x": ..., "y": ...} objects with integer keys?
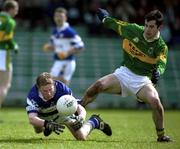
[
  {"x": 64, "y": 38},
  {"x": 45, "y": 109}
]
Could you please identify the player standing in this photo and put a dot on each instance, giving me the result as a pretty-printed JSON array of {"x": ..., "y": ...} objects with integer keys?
[
  {"x": 7, "y": 44},
  {"x": 145, "y": 58},
  {"x": 66, "y": 43},
  {"x": 43, "y": 115}
]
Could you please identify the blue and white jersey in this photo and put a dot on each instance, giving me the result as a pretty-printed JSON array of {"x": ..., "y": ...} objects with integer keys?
[
  {"x": 64, "y": 38},
  {"x": 45, "y": 109}
]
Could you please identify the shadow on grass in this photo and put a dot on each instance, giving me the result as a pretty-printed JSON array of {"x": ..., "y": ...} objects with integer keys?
[
  {"x": 52, "y": 140},
  {"x": 61, "y": 140},
  {"x": 30, "y": 140}
]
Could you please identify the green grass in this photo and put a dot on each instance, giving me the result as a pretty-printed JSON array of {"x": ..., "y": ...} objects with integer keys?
[{"x": 132, "y": 129}]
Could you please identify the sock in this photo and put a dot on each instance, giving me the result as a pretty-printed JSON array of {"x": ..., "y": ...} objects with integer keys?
[
  {"x": 94, "y": 122},
  {"x": 160, "y": 132}
]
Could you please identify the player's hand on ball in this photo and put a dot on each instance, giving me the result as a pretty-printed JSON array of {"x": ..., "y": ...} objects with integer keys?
[
  {"x": 102, "y": 13},
  {"x": 53, "y": 126},
  {"x": 155, "y": 76},
  {"x": 78, "y": 123}
]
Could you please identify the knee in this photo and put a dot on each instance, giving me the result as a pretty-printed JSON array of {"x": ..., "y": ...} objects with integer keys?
[
  {"x": 96, "y": 88},
  {"x": 81, "y": 137},
  {"x": 156, "y": 103},
  {"x": 4, "y": 91},
  {"x": 99, "y": 86}
]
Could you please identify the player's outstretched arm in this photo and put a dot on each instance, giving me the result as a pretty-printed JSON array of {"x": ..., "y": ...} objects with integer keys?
[{"x": 110, "y": 22}]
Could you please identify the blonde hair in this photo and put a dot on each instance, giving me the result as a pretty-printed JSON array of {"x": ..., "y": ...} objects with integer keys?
[{"x": 44, "y": 79}]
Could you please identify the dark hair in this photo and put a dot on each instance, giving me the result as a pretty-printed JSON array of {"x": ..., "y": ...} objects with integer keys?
[
  {"x": 9, "y": 4},
  {"x": 44, "y": 79},
  {"x": 155, "y": 15},
  {"x": 61, "y": 10}
]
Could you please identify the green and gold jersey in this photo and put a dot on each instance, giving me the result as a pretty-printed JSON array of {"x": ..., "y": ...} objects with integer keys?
[
  {"x": 140, "y": 56},
  {"x": 7, "y": 26}
]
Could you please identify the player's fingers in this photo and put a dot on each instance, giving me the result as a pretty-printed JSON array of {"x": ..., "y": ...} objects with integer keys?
[
  {"x": 62, "y": 126},
  {"x": 60, "y": 130},
  {"x": 57, "y": 132}
]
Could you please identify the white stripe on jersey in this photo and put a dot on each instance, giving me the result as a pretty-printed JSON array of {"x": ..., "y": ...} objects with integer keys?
[
  {"x": 31, "y": 106},
  {"x": 31, "y": 103},
  {"x": 62, "y": 43}
]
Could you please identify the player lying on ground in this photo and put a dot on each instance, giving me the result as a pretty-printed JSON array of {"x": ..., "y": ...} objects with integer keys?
[
  {"x": 145, "y": 58},
  {"x": 44, "y": 117}
]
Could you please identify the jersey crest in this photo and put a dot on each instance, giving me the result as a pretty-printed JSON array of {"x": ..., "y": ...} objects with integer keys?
[{"x": 136, "y": 39}]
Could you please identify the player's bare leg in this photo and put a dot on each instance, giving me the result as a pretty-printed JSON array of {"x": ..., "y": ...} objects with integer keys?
[
  {"x": 149, "y": 94},
  {"x": 5, "y": 83},
  {"x": 106, "y": 84},
  {"x": 94, "y": 122}
]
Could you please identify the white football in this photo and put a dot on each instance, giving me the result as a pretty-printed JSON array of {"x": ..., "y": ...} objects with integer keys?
[{"x": 66, "y": 105}]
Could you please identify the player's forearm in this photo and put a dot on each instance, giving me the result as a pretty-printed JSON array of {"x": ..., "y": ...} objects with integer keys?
[
  {"x": 111, "y": 23},
  {"x": 64, "y": 54},
  {"x": 81, "y": 111},
  {"x": 73, "y": 51},
  {"x": 36, "y": 121},
  {"x": 161, "y": 68},
  {"x": 161, "y": 65}
]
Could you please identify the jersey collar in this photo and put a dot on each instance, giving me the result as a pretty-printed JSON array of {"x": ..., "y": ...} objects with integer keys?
[
  {"x": 41, "y": 96},
  {"x": 64, "y": 26}
]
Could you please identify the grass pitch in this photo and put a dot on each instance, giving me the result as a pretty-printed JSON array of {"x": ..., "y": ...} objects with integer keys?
[{"x": 132, "y": 129}]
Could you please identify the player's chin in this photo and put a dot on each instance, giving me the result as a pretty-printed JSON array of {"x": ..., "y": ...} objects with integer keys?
[
  {"x": 148, "y": 36},
  {"x": 48, "y": 97}
]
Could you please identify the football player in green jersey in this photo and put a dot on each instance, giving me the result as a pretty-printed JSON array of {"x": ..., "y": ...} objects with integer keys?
[
  {"x": 7, "y": 43},
  {"x": 144, "y": 60}
]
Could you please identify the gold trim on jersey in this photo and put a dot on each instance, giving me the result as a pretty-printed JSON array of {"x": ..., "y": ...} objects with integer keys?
[
  {"x": 163, "y": 56},
  {"x": 132, "y": 50},
  {"x": 121, "y": 23},
  {"x": 4, "y": 36}
]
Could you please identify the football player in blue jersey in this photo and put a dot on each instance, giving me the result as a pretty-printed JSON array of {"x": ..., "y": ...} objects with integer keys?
[
  {"x": 44, "y": 117},
  {"x": 66, "y": 43}
]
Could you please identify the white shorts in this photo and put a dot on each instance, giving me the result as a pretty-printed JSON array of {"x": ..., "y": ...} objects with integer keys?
[
  {"x": 130, "y": 82},
  {"x": 63, "y": 69},
  {"x": 3, "y": 54}
]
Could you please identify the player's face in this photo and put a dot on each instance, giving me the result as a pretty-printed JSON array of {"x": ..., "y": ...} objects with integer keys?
[
  {"x": 59, "y": 18},
  {"x": 47, "y": 91},
  {"x": 150, "y": 29},
  {"x": 14, "y": 11}
]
